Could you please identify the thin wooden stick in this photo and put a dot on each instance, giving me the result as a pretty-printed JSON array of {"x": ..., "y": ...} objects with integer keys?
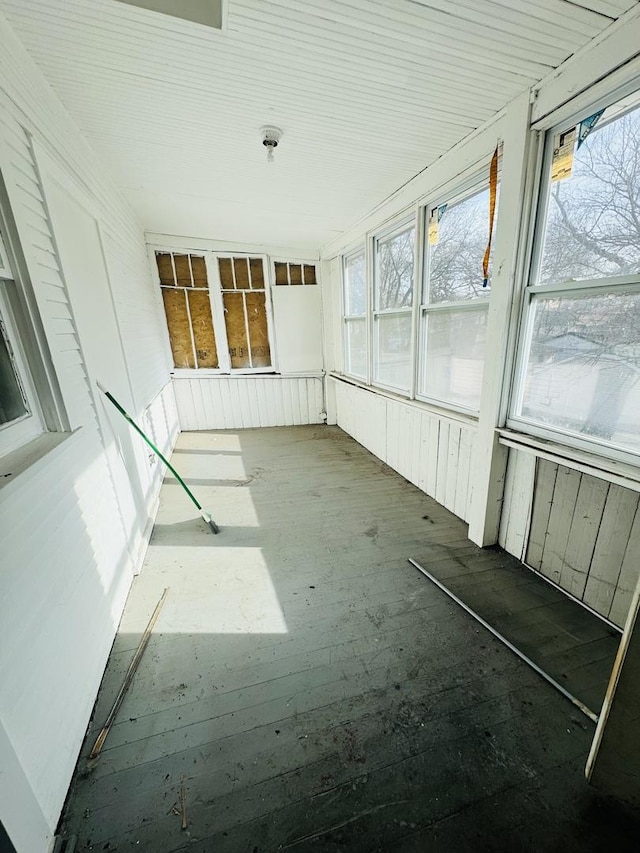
[{"x": 142, "y": 645}]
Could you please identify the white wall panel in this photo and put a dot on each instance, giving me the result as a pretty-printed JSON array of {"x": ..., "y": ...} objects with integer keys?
[
  {"x": 297, "y": 320},
  {"x": 72, "y": 533},
  {"x": 431, "y": 451},
  {"x": 516, "y": 504},
  {"x": 236, "y": 402}
]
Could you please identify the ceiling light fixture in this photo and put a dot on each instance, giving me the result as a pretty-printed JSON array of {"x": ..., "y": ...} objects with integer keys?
[{"x": 270, "y": 139}]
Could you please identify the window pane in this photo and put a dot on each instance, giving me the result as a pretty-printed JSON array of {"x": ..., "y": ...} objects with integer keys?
[
  {"x": 393, "y": 350},
  {"x": 454, "y": 358},
  {"x": 394, "y": 274},
  {"x": 12, "y": 405},
  {"x": 356, "y": 348},
  {"x": 593, "y": 222},
  {"x": 355, "y": 297},
  {"x": 583, "y": 367},
  {"x": 455, "y": 261}
]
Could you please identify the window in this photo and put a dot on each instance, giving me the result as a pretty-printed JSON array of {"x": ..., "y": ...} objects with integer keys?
[
  {"x": 392, "y": 311},
  {"x": 20, "y": 416},
  {"x": 217, "y": 311},
  {"x": 355, "y": 314},
  {"x": 580, "y": 351},
  {"x": 453, "y": 312},
  {"x": 287, "y": 273}
]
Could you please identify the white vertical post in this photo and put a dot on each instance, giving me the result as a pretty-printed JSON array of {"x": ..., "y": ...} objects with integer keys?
[
  {"x": 330, "y": 284},
  {"x": 490, "y": 458}
]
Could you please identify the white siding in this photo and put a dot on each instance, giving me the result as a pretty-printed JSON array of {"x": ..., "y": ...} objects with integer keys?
[
  {"x": 431, "y": 451},
  {"x": 71, "y": 540},
  {"x": 235, "y": 402},
  {"x": 580, "y": 531}
]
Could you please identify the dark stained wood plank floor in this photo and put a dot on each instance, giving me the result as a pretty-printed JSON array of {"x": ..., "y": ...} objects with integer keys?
[{"x": 313, "y": 692}]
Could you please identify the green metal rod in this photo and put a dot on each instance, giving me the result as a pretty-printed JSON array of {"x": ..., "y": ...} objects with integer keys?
[{"x": 205, "y": 515}]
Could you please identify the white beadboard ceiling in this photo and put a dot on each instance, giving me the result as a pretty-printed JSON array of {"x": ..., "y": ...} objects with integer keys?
[{"x": 367, "y": 92}]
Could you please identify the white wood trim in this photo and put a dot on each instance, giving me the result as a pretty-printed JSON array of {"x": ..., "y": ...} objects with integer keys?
[
  {"x": 582, "y": 77},
  {"x": 175, "y": 242},
  {"x": 436, "y": 411},
  {"x": 621, "y": 473},
  {"x": 490, "y": 459}
]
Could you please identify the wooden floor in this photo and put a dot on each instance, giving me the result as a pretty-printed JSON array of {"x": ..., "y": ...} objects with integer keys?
[{"x": 311, "y": 691}]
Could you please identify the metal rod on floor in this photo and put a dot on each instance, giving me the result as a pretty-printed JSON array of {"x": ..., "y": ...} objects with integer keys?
[
  {"x": 142, "y": 645},
  {"x": 582, "y": 707}
]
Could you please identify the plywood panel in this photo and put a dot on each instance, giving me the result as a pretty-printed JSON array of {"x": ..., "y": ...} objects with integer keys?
[
  {"x": 165, "y": 268},
  {"x": 183, "y": 270},
  {"x": 226, "y": 273},
  {"x": 295, "y": 273},
  {"x": 258, "y": 332},
  {"x": 175, "y": 309},
  {"x": 202, "y": 325},
  {"x": 309, "y": 274},
  {"x": 199, "y": 271},
  {"x": 234, "y": 318},
  {"x": 241, "y": 269},
  {"x": 257, "y": 273}
]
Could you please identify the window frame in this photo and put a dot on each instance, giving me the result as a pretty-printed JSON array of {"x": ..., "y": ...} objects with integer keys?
[
  {"x": 355, "y": 252},
  {"x": 399, "y": 225},
  {"x": 296, "y": 262},
  {"x": 44, "y": 410},
  {"x": 474, "y": 185},
  {"x": 532, "y": 291},
  {"x": 211, "y": 258}
]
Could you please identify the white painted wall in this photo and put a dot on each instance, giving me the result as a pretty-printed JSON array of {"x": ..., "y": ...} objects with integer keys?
[
  {"x": 432, "y": 452},
  {"x": 73, "y": 525},
  {"x": 237, "y": 402}
]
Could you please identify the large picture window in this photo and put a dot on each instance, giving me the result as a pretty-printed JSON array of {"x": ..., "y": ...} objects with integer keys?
[
  {"x": 579, "y": 371},
  {"x": 453, "y": 311},
  {"x": 393, "y": 308},
  {"x": 355, "y": 314}
]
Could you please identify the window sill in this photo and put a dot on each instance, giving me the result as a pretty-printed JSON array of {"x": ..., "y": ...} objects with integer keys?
[
  {"x": 216, "y": 374},
  {"x": 611, "y": 470},
  {"x": 437, "y": 411},
  {"x": 30, "y": 457}
]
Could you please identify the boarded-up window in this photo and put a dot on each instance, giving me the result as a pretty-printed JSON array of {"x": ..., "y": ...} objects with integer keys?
[
  {"x": 245, "y": 312},
  {"x": 291, "y": 273},
  {"x": 185, "y": 294}
]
